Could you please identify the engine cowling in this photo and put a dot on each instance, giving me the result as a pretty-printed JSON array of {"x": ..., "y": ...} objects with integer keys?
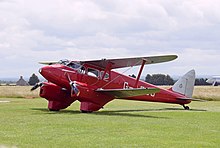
[{"x": 58, "y": 98}]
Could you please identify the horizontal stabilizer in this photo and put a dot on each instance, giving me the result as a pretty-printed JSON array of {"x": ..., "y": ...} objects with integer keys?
[
  {"x": 192, "y": 99},
  {"x": 125, "y": 93}
]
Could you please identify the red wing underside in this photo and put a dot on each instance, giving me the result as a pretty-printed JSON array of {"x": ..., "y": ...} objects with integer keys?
[{"x": 125, "y": 93}]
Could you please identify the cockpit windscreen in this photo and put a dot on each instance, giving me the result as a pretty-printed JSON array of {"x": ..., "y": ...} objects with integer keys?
[
  {"x": 70, "y": 64},
  {"x": 74, "y": 65}
]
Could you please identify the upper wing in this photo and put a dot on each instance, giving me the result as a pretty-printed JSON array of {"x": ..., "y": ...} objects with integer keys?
[
  {"x": 120, "y": 63},
  {"x": 125, "y": 93},
  {"x": 129, "y": 62}
]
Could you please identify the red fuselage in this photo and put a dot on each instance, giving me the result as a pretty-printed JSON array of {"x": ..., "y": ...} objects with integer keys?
[{"x": 88, "y": 78}]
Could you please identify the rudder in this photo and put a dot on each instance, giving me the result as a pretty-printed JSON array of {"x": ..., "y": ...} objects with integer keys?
[{"x": 185, "y": 85}]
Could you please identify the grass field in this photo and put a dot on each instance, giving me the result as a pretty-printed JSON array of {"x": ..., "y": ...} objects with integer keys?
[{"x": 28, "y": 123}]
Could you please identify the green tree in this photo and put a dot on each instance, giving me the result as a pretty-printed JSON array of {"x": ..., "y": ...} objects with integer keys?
[
  {"x": 148, "y": 78},
  {"x": 159, "y": 79},
  {"x": 33, "y": 79},
  {"x": 168, "y": 80}
]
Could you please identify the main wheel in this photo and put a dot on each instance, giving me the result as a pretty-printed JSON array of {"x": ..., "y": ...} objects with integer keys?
[
  {"x": 54, "y": 110},
  {"x": 85, "y": 111}
]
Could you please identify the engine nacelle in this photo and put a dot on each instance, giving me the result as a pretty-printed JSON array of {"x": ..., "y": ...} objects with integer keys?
[{"x": 58, "y": 98}]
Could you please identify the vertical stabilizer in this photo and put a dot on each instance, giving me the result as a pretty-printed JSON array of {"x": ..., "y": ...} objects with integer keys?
[{"x": 185, "y": 84}]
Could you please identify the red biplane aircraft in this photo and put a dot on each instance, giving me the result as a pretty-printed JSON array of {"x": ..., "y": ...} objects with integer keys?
[{"x": 94, "y": 83}]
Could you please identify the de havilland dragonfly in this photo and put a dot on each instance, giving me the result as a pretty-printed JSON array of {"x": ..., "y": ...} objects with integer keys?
[{"x": 94, "y": 83}]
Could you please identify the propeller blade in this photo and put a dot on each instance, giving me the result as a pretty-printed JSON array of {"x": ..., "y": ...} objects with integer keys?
[
  {"x": 74, "y": 89},
  {"x": 36, "y": 86}
]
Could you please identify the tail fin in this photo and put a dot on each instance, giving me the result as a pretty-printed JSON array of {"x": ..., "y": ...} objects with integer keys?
[{"x": 185, "y": 84}]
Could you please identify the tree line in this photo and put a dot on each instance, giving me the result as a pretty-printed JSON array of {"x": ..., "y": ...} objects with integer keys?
[
  {"x": 159, "y": 79},
  {"x": 162, "y": 79}
]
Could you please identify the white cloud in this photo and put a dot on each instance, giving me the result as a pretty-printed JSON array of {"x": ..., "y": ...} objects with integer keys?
[
  {"x": 203, "y": 61},
  {"x": 31, "y": 31}
]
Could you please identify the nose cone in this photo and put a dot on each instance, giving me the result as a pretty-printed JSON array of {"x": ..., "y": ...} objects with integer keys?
[
  {"x": 45, "y": 71},
  {"x": 51, "y": 73}
]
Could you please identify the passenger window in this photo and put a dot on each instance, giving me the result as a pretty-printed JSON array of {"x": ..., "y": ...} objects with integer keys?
[
  {"x": 93, "y": 72},
  {"x": 82, "y": 70},
  {"x": 106, "y": 75}
]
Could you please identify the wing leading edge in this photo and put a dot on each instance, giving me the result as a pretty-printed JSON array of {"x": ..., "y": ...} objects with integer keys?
[{"x": 125, "y": 93}]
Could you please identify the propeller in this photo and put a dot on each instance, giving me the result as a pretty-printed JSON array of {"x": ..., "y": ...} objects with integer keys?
[
  {"x": 36, "y": 86},
  {"x": 74, "y": 89}
]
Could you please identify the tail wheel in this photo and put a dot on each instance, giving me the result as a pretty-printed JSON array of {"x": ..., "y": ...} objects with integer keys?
[{"x": 186, "y": 107}]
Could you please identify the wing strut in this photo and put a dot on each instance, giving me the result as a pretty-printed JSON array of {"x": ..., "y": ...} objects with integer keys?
[
  {"x": 108, "y": 67},
  {"x": 140, "y": 71}
]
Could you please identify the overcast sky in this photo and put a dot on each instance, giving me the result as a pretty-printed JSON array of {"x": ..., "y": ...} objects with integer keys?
[{"x": 41, "y": 30}]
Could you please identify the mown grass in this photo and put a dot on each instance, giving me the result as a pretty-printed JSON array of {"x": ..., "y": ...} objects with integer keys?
[{"x": 28, "y": 123}]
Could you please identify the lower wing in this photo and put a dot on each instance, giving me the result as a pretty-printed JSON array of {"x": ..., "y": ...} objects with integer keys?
[{"x": 125, "y": 93}]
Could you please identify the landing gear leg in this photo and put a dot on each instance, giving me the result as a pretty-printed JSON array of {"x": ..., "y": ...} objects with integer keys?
[{"x": 185, "y": 107}]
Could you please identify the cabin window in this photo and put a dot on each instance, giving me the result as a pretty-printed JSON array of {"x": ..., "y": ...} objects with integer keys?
[
  {"x": 106, "y": 75},
  {"x": 74, "y": 65},
  {"x": 93, "y": 72}
]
